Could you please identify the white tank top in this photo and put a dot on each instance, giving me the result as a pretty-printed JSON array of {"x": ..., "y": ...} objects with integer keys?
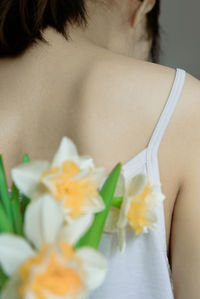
[{"x": 143, "y": 271}]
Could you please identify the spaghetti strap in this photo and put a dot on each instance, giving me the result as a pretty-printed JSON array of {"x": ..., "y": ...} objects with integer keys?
[{"x": 169, "y": 108}]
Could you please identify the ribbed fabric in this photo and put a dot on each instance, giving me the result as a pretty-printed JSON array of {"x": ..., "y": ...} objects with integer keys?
[{"x": 143, "y": 271}]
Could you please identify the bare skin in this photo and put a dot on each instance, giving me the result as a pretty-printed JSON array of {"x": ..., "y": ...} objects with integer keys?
[
  {"x": 84, "y": 104},
  {"x": 98, "y": 99}
]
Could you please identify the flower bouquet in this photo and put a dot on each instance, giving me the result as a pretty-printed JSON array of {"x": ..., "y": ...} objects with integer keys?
[{"x": 53, "y": 218}]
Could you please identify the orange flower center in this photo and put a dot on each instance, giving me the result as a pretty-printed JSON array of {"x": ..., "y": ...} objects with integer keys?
[
  {"x": 75, "y": 194},
  {"x": 51, "y": 272},
  {"x": 138, "y": 210}
]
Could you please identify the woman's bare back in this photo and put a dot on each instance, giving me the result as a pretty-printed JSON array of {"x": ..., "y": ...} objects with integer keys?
[{"x": 107, "y": 103}]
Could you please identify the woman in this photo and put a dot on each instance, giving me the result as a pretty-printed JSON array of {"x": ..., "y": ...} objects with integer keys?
[{"x": 90, "y": 89}]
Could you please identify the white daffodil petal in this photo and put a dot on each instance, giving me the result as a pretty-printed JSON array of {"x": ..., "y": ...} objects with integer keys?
[
  {"x": 154, "y": 200},
  {"x": 13, "y": 252},
  {"x": 122, "y": 239},
  {"x": 71, "y": 233},
  {"x": 80, "y": 175},
  {"x": 158, "y": 197},
  {"x": 136, "y": 185},
  {"x": 43, "y": 220},
  {"x": 122, "y": 219},
  {"x": 95, "y": 265},
  {"x": 120, "y": 188},
  {"x": 95, "y": 205},
  {"x": 96, "y": 176},
  {"x": 31, "y": 295},
  {"x": 86, "y": 162},
  {"x": 26, "y": 176},
  {"x": 153, "y": 226},
  {"x": 47, "y": 181},
  {"x": 111, "y": 221},
  {"x": 9, "y": 291},
  {"x": 67, "y": 151},
  {"x": 152, "y": 219}
]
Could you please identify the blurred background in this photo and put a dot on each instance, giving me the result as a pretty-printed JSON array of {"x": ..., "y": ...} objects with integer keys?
[{"x": 180, "y": 35}]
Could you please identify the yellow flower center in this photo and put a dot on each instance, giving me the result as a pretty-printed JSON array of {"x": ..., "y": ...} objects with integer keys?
[
  {"x": 75, "y": 194},
  {"x": 138, "y": 210},
  {"x": 52, "y": 272}
]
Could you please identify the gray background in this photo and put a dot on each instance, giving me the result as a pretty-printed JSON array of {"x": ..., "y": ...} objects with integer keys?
[{"x": 180, "y": 35}]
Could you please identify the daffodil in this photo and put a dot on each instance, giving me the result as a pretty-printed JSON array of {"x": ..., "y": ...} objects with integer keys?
[
  {"x": 70, "y": 179},
  {"x": 138, "y": 209},
  {"x": 47, "y": 265}
]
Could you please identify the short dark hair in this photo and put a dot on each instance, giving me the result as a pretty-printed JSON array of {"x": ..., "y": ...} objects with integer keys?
[
  {"x": 22, "y": 22},
  {"x": 154, "y": 31}
]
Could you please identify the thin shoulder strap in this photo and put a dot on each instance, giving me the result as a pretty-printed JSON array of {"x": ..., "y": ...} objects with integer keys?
[
  {"x": 168, "y": 109},
  {"x": 153, "y": 146}
]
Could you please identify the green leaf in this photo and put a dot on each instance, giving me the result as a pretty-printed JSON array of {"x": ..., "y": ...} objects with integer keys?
[
  {"x": 5, "y": 224},
  {"x": 4, "y": 194},
  {"x": 117, "y": 201},
  {"x": 3, "y": 278},
  {"x": 16, "y": 211},
  {"x": 93, "y": 236}
]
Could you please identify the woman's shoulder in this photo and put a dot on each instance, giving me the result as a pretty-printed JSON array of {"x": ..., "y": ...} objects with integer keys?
[
  {"x": 146, "y": 86},
  {"x": 131, "y": 78}
]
